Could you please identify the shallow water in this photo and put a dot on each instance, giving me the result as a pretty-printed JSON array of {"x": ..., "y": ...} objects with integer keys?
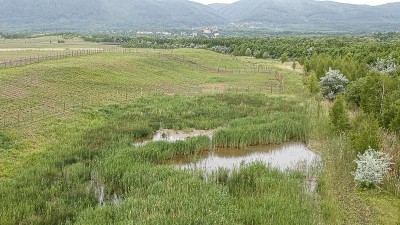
[
  {"x": 288, "y": 156},
  {"x": 173, "y": 136},
  {"x": 283, "y": 157}
]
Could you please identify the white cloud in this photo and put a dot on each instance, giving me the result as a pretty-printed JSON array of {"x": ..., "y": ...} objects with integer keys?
[
  {"x": 366, "y": 2},
  {"x": 214, "y": 1}
]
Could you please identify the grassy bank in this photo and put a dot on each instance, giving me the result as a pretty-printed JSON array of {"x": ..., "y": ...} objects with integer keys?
[
  {"x": 79, "y": 165},
  {"x": 98, "y": 171}
]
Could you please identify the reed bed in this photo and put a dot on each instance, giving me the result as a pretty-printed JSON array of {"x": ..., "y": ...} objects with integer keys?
[{"x": 97, "y": 176}]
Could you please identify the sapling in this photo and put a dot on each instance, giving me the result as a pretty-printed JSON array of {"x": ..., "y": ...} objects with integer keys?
[{"x": 371, "y": 168}]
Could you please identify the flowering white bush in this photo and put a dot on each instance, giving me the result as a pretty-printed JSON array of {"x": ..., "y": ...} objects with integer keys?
[
  {"x": 371, "y": 168},
  {"x": 383, "y": 66},
  {"x": 333, "y": 83}
]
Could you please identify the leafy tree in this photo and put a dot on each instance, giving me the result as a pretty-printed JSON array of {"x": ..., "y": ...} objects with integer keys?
[
  {"x": 243, "y": 49},
  {"x": 284, "y": 58},
  {"x": 339, "y": 115},
  {"x": 236, "y": 52},
  {"x": 248, "y": 52},
  {"x": 379, "y": 96},
  {"x": 371, "y": 168},
  {"x": 259, "y": 54},
  {"x": 312, "y": 84},
  {"x": 266, "y": 55},
  {"x": 371, "y": 94},
  {"x": 365, "y": 133},
  {"x": 333, "y": 83},
  {"x": 353, "y": 91}
]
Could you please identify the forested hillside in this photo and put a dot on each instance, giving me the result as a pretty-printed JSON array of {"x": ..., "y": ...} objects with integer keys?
[
  {"x": 313, "y": 15},
  {"x": 105, "y": 15},
  {"x": 133, "y": 15}
]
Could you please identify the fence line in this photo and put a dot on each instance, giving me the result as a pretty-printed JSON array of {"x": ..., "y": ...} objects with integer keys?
[
  {"x": 69, "y": 53},
  {"x": 20, "y": 116}
]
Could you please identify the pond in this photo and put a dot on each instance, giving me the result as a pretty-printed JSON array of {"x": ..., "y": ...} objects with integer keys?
[
  {"x": 284, "y": 156},
  {"x": 174, "y": 136},
  {"x": 288, "y": 156}
]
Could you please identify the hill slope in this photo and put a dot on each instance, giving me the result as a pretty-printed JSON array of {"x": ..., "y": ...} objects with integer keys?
[
  {"x": 314, "y": 15},
  {"x": 104, "y": 14},
  {"x": 107, "y": 15}
]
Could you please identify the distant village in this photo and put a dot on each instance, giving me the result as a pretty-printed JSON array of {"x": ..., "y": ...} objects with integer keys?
[{"x": 203, "y": 33}]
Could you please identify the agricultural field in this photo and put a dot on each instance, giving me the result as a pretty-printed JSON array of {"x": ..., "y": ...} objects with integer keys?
[
  {"x": 76, "y": 143},
  {"x": 15, "y": 49}
]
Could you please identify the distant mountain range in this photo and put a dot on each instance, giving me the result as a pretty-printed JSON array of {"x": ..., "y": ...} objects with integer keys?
[{"x": 107, "y": 15}]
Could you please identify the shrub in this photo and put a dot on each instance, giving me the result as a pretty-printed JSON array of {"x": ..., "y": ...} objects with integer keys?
[
  {"x": 248, "y": 52},
  {"x": 365, "y": 133},
  {"x": 333, "y": 83},
  {"x": 5, "y": 141},
  {"x": 339, "y": 115},
  {"x": 353, "y": 91},
  {"x": 312, "y": 84},
  {"x": 395, "y": 124},
  {"x": 371, "y": 168},
  {"x": 284, "y": 58}
]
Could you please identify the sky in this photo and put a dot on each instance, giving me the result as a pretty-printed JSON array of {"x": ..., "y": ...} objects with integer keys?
[{"x": 367, "y": 2}]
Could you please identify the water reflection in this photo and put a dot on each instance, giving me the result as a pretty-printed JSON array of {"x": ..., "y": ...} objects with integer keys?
[
  {"x": 283, "y": 157},
  {"x": 288, "y": 156}
]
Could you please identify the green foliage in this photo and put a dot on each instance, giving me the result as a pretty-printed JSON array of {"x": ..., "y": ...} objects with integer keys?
[
  {"x": 284, "y": 58},
  {"x": 380, "y": 97},
  {"x": 248, "y": 52},
  {"x": 339, "y": 115},
  {"x": 259, "y": 54},
  {"x": 353, "y": 91},
  {"x": 320, "y": 63},
  {"x": 351, "y": 55},
  {"x": 273, "y": 129},
  {"x": 395, "y": 123},
  {"x": 365, "y": 133},
  {"x": 259, "y": 188},
  {"x": 294, "y": 65},
  {"x": 371, "y": 95},
  {"x": 313, "y": 84},
  {"x": 65, "y": 183},
  {"x": 5, "y": 142}
]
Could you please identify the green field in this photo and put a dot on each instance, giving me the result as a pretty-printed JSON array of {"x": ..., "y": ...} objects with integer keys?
[
  {"x": 15, "y": 49},
  {"x": 68, "y": 125}
]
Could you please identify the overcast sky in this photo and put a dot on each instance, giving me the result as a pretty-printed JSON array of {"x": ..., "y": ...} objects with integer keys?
[{"x": 369, "y": 2}]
